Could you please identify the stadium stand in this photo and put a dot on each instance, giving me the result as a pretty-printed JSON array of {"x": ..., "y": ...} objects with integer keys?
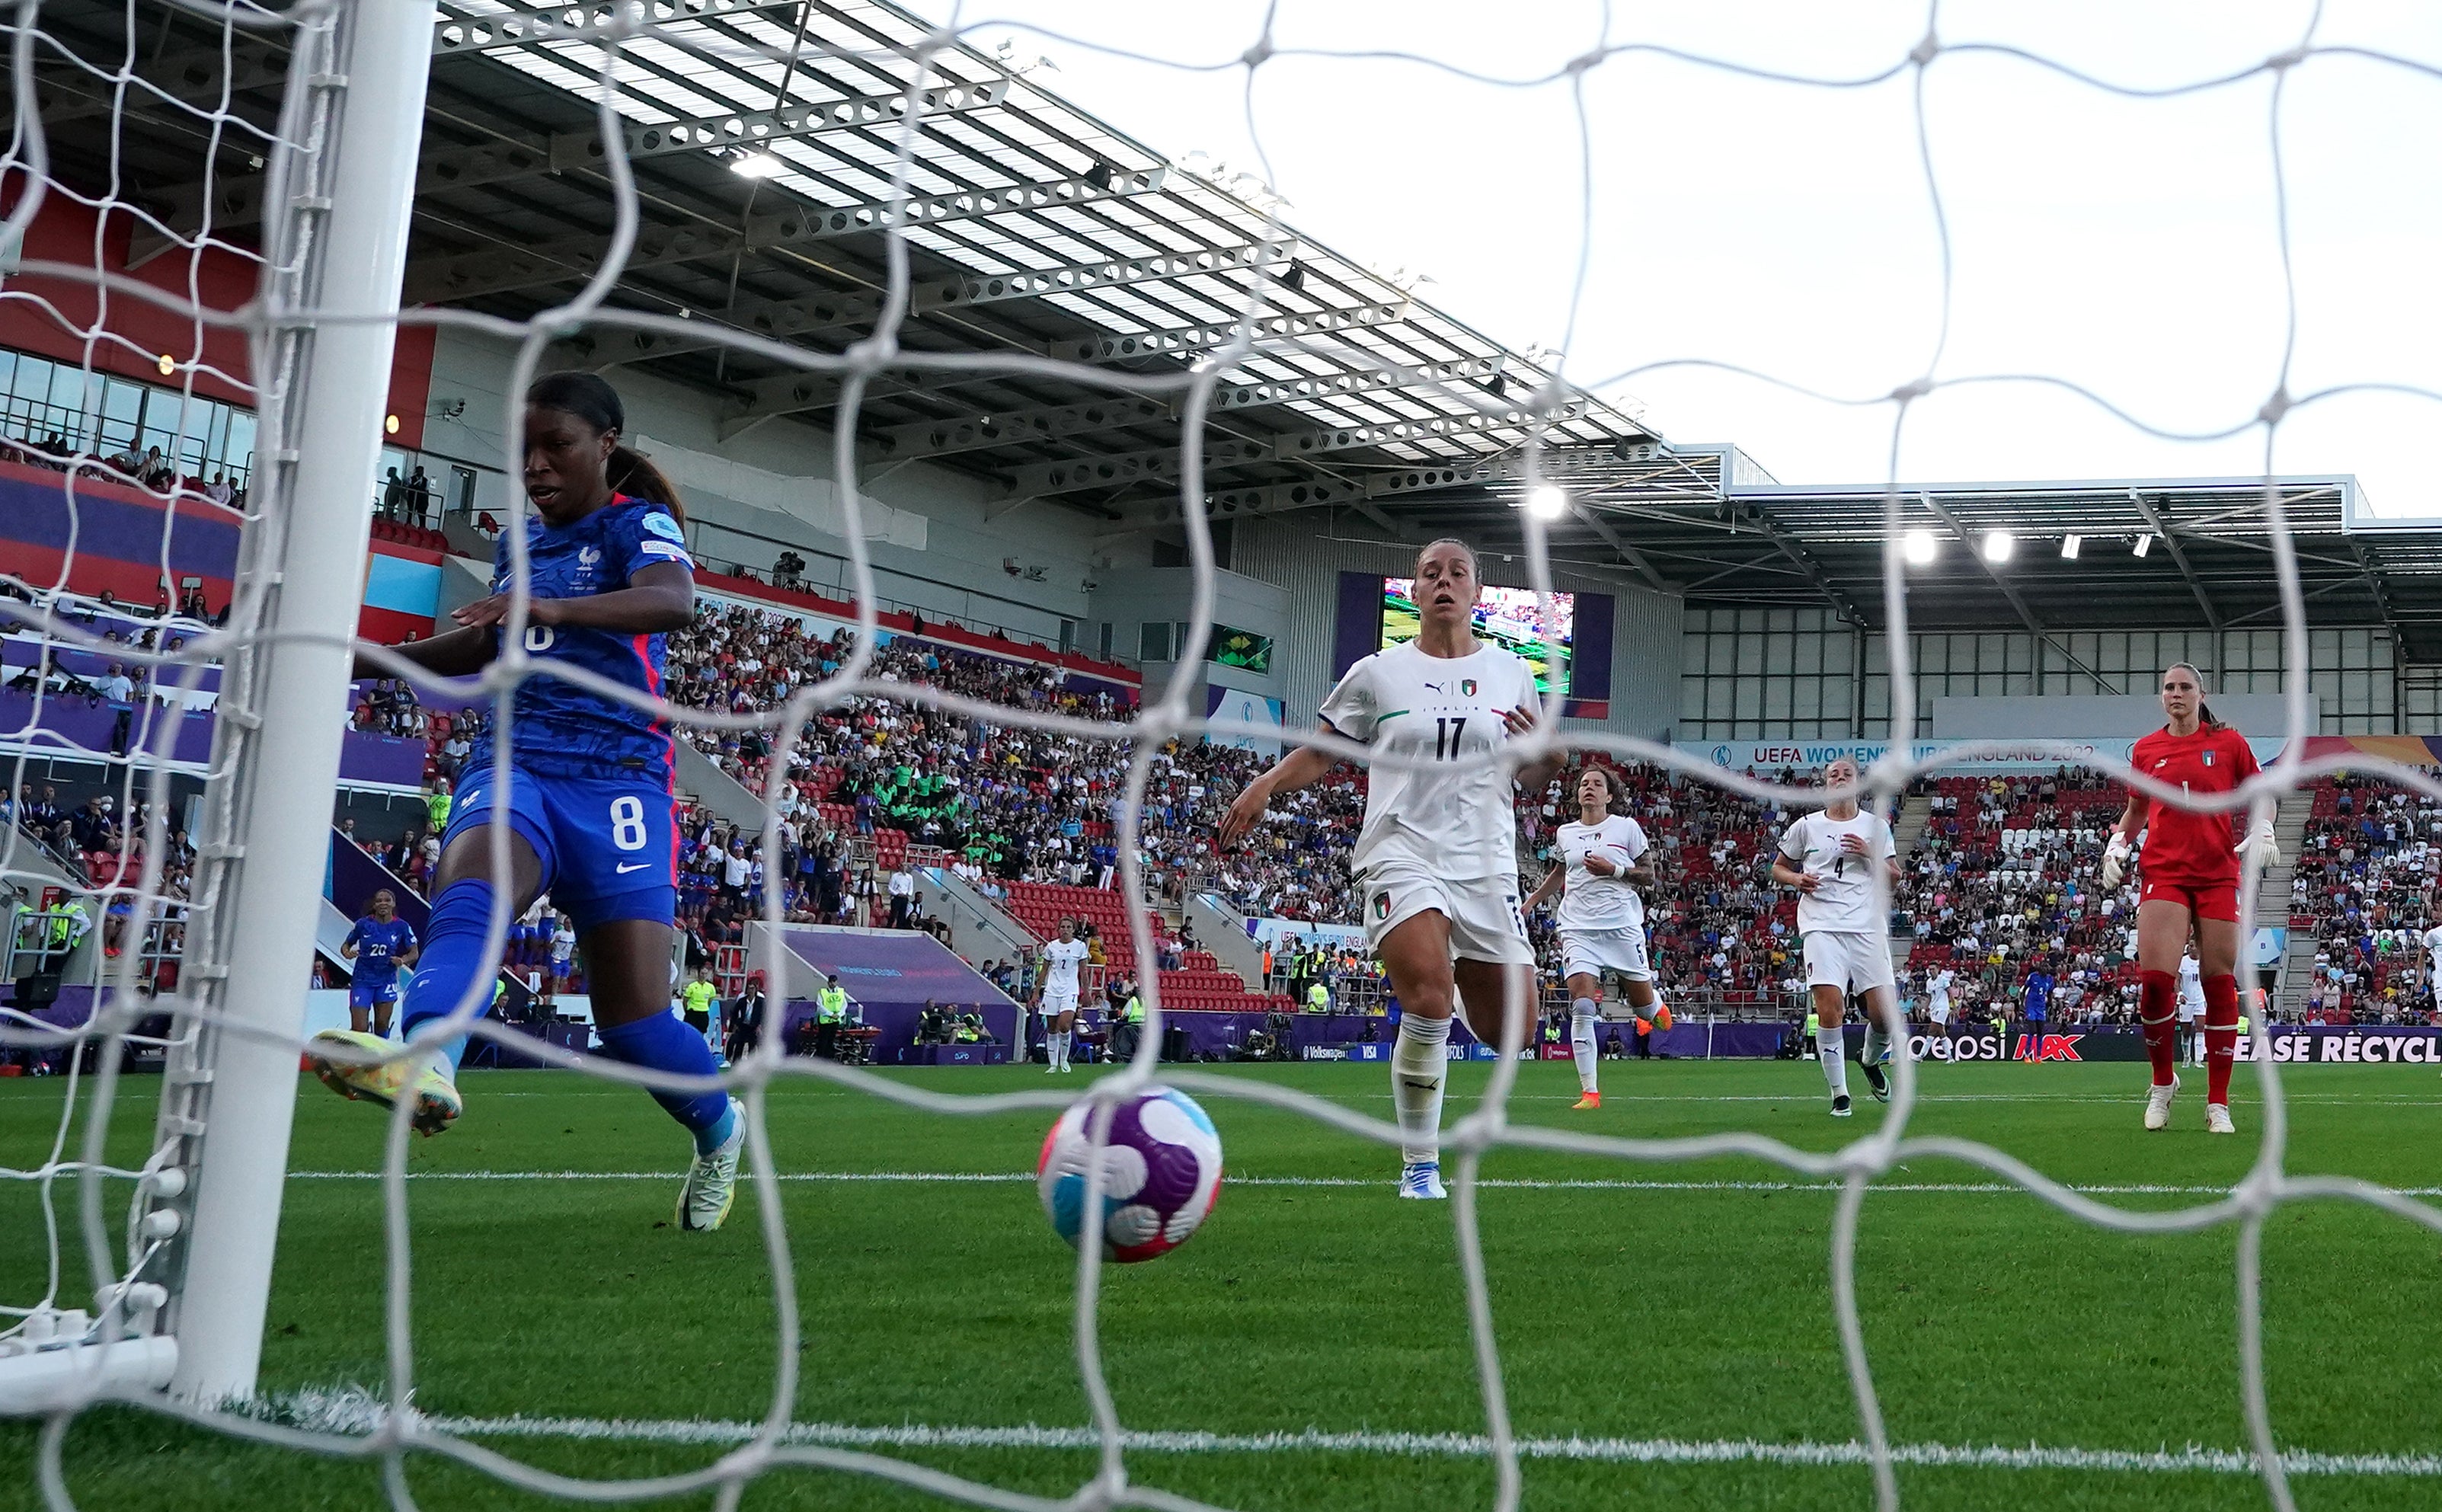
[
  {"x": 2363, "y": 891},
  {"x": 2000, "y": 884}
]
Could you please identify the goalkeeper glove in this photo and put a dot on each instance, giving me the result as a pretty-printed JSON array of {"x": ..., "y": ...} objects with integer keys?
[
  {"x": 2260, "y": 846},
  {"x": 2115, "y": 861}
]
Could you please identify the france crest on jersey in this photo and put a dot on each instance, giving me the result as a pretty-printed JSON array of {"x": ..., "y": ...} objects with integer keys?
[{"x": 560, "y": 727}]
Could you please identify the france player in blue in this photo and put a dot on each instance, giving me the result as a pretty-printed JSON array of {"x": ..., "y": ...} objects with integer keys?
[
  {"x": 589, "y": 808},
  {"x": 380, "y": 944}
]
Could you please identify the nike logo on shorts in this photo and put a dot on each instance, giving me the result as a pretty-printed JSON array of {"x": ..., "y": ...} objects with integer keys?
[{"x": 627, "y": 866}]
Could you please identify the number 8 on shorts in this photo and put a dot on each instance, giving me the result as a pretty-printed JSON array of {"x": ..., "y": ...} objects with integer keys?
[{"x": 628, "y": 823}]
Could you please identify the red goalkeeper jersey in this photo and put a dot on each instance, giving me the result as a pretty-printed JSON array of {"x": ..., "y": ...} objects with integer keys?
[{"x": 2182, "y": 846}]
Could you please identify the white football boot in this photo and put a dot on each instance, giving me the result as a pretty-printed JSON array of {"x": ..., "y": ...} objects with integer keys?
[
  {"x": 2158, "y": 1104},
  {"x": 712, "y": 1181}
]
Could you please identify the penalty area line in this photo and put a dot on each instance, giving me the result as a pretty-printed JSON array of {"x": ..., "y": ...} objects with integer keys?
[
  {"x": 356, "y": 1412},
  {"x": 1512, "y": 1183}
]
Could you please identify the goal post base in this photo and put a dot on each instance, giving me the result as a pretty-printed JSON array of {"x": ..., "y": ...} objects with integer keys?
[{"x": 45, "y": 1381}]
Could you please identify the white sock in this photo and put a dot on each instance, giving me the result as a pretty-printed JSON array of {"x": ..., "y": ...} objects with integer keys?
[
  {"x": 1829, "y": 1044},
  {"x": 1581, "y": 1041},
  {"x": 1878, "y": 1044},
  {"x": 1068, "y": 1047},
  {"x": 1419, "y": 1067}
]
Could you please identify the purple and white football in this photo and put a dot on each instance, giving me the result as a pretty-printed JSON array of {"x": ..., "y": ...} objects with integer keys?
[{"x": 1160, "y": 1172}]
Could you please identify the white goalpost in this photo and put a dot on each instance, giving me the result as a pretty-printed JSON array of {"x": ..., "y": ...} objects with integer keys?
[{"x": 188, "y": 1313}]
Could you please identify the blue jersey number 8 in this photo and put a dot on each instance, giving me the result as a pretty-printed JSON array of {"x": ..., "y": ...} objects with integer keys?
[{"x": 628, "y": 823}]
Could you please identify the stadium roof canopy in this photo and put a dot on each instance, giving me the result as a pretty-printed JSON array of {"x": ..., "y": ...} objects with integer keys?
[
  {"x": 763, "y": 136},
  {"x": 764, "y": 151},
  {"x": 2192, "y": 552}
]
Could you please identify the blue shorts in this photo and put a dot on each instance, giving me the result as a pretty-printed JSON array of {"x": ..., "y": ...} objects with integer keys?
[
  {"x": 364, "y": 993},
  {"x": 609, "y": 845}
]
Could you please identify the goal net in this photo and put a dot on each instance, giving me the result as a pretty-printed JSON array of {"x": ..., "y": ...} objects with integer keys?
[{"x": 252, "y": 289}]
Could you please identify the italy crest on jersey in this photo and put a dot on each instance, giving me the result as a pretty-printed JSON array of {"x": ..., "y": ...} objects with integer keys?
[
  {"x": 2209, "y": 756},
  {"x": 1467, "y": 688}
]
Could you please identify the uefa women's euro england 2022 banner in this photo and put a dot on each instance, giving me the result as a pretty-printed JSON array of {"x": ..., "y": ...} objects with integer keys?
[{"x": 1953, "y": 757}]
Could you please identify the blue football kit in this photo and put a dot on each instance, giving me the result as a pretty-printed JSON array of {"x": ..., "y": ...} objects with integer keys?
[
  {"x": 591, "y": 786},
  {"x": 378, "y": 948},
  {"x": 586, "y": 783}
]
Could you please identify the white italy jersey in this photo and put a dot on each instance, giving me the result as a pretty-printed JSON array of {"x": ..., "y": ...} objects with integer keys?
[
  {"x": 1450, "y": 817},
  {"x": 1061, "y": 961},
  {"x": 1845, "y": 903},
  {"x": 2192, "y": 988},
  {"x": 1594, "y": 902},
  {"x": 2431, "y": 940},
  {"x": 1938, "y": 985}
]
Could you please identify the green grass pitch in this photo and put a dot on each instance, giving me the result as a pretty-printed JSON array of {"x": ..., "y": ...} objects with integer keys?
[{"x": 1675, "y": 1315}]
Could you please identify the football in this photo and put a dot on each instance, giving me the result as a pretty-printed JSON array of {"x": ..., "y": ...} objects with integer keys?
[{"x": 1160, "y": 1172}]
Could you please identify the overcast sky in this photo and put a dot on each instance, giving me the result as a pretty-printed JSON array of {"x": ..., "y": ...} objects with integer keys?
[{"x": 2127, "y": 246}]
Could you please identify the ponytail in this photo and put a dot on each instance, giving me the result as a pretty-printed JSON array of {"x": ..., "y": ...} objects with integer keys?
[{"x": 632, "y": 473}]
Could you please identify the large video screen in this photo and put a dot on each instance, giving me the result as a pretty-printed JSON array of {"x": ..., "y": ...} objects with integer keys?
[
  {"x": 1509, "y": 617},
  {"x": 1235, "y": 647}
]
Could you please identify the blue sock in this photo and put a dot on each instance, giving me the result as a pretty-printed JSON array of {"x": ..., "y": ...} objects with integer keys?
[
  {"x": 454, "y": 953},
  {"x": 660, "y": 1042}
]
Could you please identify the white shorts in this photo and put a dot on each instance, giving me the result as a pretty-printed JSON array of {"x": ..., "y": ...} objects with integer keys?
[
  {"x": 1484, "y": 921},
  {"x": 1849, "y": 962},
  {"x": 1056, "y": 1003},
  {"x": 1592, "y": 951},
  {"x": 2190, "y": 1010}
]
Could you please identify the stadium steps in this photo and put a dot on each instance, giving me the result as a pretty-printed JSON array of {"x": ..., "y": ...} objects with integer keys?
[
  {"x": 464, "y": 580},
  {"x": 702, "y": 779},
  {"x": 1915, "y": 811},
  {"x": 1202, "y": 986},
  {"x": 31, "y": 869},
  {"x": 330, "y": 933},
  {"x": 2273, "y": 899},
  {"x": 2297, "y": 972},
  {"x": 981, "y": 930},
  {"x": 1222, "y": 930}
]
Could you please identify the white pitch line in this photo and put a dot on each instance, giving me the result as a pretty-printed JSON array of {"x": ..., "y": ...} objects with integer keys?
[
  {"x": 358, "y": 1413},
  {"x": 1523, "y": 1184}
]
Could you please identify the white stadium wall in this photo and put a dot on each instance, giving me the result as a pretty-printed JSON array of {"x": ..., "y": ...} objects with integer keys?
[
  {"x": 1295, "y": 553},
  {"x": 931, "y": 546},
  {"x": 1797, "y": 674},
  {"x": 2124, "y": 716},
  {"x": 1130, "y": 599}
]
